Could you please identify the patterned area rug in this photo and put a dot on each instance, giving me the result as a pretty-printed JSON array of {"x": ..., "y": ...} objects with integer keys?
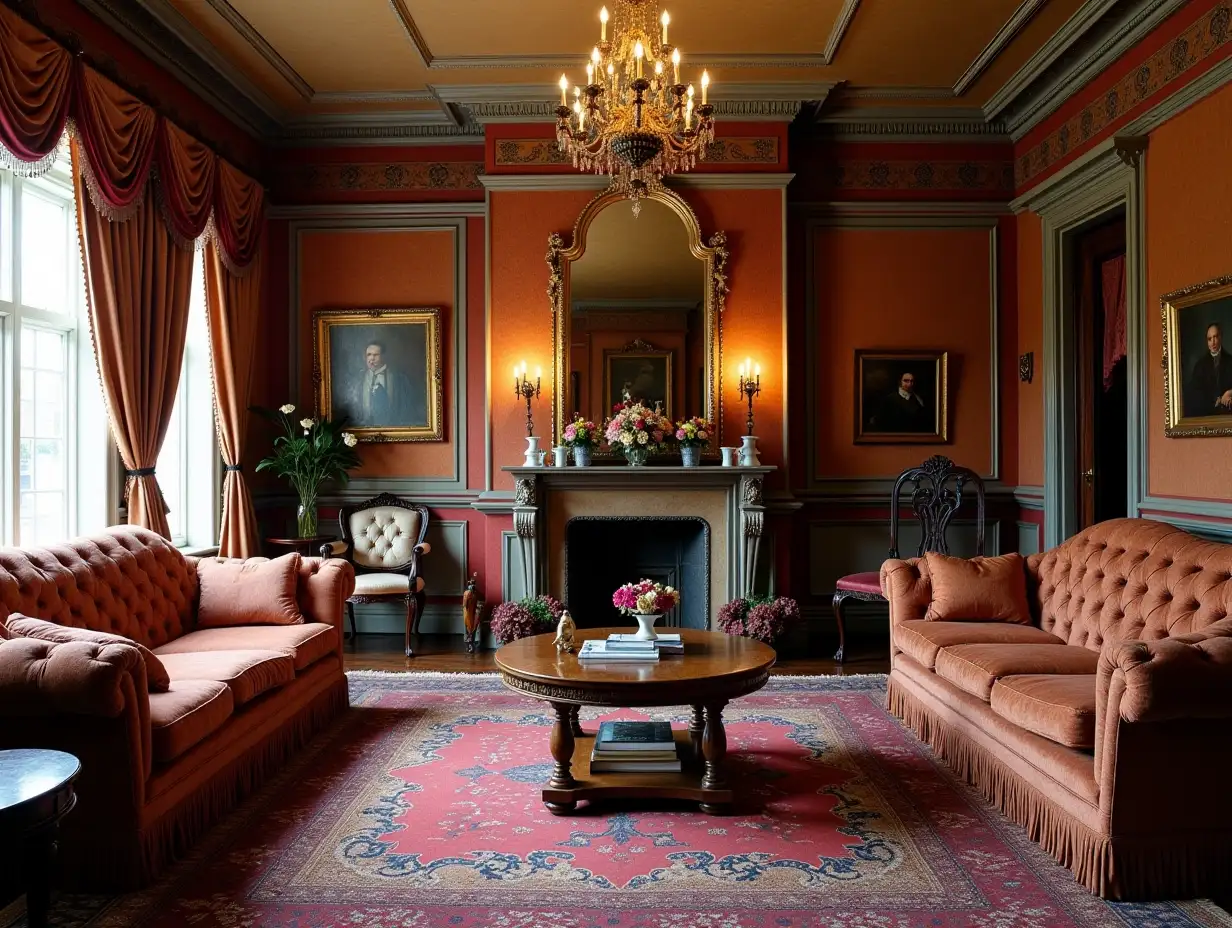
[{"x": 421, "y": 809}]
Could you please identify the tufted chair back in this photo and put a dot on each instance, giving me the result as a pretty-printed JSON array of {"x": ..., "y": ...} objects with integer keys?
[
  {"x": 1131, "y": 579},
  {"x": 128, "y": 581},
  {"x": 383, "y": 536}
]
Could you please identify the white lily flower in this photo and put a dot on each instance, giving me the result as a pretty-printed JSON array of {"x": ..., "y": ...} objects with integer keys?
[
  {"x": 349, "y": 440},
  {"x": 287, "y": 409},
  {"x": 306, "y": 423}
]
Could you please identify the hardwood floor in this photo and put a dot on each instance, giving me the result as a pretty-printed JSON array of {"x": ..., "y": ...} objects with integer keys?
[{"x": 446, "y": 653}]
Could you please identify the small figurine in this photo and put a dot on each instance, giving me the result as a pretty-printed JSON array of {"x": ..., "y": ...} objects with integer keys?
[
  {"x": 472, "y": 609},
  {"x": 564, "y": 633}
]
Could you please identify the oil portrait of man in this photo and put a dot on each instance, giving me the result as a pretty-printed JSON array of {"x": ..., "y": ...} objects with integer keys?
[{"x": 900, "y": 397}]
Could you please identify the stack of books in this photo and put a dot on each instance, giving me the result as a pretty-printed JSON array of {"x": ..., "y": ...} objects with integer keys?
[
  {"x": 669, "y": 642},
  {"x": 634, "y": 747},
  {"x": 594, "y": 650}
]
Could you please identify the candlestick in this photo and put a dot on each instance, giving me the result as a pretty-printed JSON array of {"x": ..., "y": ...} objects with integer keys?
[
  {"x": 564, "y": 90},
  {"x": 639, "y": 53},
  {"x": 665, "y": 19},
  {"x": 526, "y": 390},
  {"x": 749, "y": 387},
  {"x": 705, "y": 84},
  {"x": 676, "y": 66},
  {"x": 603, "y": 24}
]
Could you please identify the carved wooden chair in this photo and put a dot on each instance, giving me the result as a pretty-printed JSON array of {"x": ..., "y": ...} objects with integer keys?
[
  {"x": 383, "y": 538},
  {"x": 937, "y": 490}
]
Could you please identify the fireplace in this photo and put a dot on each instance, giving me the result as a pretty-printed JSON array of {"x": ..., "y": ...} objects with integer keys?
[{"x": 603, "y": 552}]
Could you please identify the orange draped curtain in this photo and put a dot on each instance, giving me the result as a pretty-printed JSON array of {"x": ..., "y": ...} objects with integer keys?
[{"x": 137, "y": 254}]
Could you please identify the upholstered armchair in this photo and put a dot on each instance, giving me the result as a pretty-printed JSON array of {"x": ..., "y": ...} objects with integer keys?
[{"x": 383, "y": 538}]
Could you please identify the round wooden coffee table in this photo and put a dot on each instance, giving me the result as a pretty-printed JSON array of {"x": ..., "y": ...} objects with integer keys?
[{"x": 713, "y": 669}]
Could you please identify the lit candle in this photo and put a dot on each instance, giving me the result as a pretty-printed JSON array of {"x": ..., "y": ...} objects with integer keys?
[
  {"x": 564, "y": 89},
  {"x": 676, "y": 66},
  {"x": 577, "y": 94},
  {"x": 705, "y": 84},
  {"x": 688, "y": 113},
  {"x": 590, "y": 74},
  {"x": 757, "y": 371},
  {"x": 665, "y": 19},
  {"x": 610, "y": 70},
  {"x": 603, "y": 24},
  {"x": 659, "y": 68},
  {"x": 638, "y": 53},
  {"x": 690, "y": 93},
  {"x": 538, "y": 373}
]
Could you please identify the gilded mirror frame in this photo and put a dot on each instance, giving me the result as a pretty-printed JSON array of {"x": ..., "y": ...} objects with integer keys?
[{"x": 712, "y": 253}]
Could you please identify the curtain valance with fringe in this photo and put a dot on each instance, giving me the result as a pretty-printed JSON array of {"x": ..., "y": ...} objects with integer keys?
[{"x": 44, "y": 89}]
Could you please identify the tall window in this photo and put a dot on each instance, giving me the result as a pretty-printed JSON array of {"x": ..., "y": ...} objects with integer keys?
[{"x": 40, "y": 319}]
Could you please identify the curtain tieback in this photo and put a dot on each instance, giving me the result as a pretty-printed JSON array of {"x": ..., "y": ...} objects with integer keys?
[
  {"x": 132, "y": 474},
  {"x": 232, "y": 468},
  {"x": 140, "y": 472}
]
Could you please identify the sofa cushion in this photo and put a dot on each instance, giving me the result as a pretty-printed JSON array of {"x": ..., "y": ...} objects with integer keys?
[
  {"x": 185, "y": 714},
  {"x": 1059, "y": 707},
  {"x": 255, "y": 591},
  {"x": 973, "y": 668},
  {"x": 978, "y": 589},
  {"x": 377, "y": 584},
  {"x": 306, "y": 644},
  {"x": 922, "y": 639},
  {"x": 22, "y": 626},
  {"x": 248, "y": 673}
]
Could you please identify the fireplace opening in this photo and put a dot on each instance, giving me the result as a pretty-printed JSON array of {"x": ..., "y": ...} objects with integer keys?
[{"x": 604, "y": 552}]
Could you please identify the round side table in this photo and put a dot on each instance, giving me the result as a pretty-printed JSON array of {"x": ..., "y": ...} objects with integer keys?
[
  {"x": 36, "y": 791},
  {"x": 309, "y": 546}
]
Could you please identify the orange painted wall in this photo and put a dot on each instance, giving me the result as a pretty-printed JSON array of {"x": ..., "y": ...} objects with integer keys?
[
  {"x": 1031, "y": 338},
  {"x": 908, "y": 289},
  {"x": 1188, "y": 231},
  {"x": 381, "y": 268},
  {"x": 521, "y": 326}
]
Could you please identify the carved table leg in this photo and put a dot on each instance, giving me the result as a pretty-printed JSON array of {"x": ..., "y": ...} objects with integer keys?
[
  {"x": 714, "y": 749},
  {"x": 562, "y": 753},
  {"x": 838, "y": 619},
  {"x": 575, "y": 725},
  {"x": 39, "y": 866},
  {"x": 697, "y": 726}
]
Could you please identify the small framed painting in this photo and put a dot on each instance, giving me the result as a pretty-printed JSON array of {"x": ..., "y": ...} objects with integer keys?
[
  {"x": 901, "y": 397},
  {"x": 381, "y": 369},
  {"x": 639, "y": 372},
  {"x": 1197, "y": 361}
]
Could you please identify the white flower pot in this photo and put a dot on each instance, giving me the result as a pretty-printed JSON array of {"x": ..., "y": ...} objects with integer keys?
[{"x": 645, "y": 626}]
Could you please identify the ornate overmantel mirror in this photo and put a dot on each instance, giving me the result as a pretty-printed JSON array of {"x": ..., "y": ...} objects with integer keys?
[{"x": 637, "y": 302}]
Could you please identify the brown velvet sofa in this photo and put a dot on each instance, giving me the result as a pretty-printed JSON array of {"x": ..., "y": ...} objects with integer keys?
[
  {"x": 1105, "y": 727},
  {"x": 158, "y": 768}
]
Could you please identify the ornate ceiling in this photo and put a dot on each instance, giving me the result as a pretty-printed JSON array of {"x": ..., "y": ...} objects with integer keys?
[{"x": 321, "y": 69}]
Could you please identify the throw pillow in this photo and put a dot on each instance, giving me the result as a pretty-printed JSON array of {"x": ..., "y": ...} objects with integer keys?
[
  {"x": 249, "y": 592},
  {"x": 21, "y": 626},
  {"x": 987, "y": 589}
]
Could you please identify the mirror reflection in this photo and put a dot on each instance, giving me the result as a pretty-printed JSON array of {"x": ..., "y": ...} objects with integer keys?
[{"x": 637, "y": 307}]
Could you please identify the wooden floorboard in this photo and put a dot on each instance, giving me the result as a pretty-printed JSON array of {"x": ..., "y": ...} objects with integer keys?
[{"x": 446, "y": 653}]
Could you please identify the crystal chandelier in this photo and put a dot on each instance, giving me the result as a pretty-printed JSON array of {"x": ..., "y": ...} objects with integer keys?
[{"x": 634, "y": 119}]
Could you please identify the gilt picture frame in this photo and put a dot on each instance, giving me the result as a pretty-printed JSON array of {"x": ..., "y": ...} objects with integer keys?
[
  {"x": 645, "y": 371},
  {"x": 380, "y": 369},
  {"x": 1197, "y": 330},
  {"x": 901, "y": 397}
]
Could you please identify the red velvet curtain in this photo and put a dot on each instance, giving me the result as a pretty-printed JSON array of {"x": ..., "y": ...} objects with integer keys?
[
  {"x": 1112, "y": 273},
  {"x": 36, "y": 88}
]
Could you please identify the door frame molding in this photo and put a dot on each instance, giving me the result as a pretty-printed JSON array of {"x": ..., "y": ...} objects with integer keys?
[{"x": 1110, "y": 177}]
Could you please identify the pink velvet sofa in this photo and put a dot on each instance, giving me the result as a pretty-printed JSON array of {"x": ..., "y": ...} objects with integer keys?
[{"x": 158, "y": 767}]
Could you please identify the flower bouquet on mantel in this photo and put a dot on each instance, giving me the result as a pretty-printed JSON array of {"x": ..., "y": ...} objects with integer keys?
[
  {"x": 646, "y": 601},
  {"x": 582, "y": 436},
  {"x": 762, "y": 617},
  {"x": 636, "y": 432},
  {"x": 308, "y": 453},
  {"x": 533, "y": 615},
  {"x": 692, "y": 435}
]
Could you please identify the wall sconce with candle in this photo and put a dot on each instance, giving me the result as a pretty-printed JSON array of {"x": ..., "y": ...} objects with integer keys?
[
  {"x": 750, "y": 386},
  {"x": 526, "y": 390}
]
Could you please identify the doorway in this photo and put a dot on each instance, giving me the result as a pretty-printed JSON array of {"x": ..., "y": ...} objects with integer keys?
[{"x": 1096, "y": 255}]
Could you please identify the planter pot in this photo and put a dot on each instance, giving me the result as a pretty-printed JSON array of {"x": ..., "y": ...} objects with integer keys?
[
  {"x": 691, "y": 455},
  {"x": 581, "y": 456},
  {"x": 645, "y": 626},
  {"x": 636, "y": 455}
]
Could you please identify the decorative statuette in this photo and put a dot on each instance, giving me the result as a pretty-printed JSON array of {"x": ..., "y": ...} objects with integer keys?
[{"x": 564, "y": 634}]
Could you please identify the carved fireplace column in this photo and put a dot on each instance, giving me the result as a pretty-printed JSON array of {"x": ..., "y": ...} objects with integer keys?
[
  {"x": 752, "y": 521},
  {"x": 525, "y": 523}
]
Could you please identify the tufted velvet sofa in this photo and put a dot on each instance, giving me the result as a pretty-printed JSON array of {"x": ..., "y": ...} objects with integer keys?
[
  {"x": 1099, "y": 726},
  {"x": 158, "y": 767}
]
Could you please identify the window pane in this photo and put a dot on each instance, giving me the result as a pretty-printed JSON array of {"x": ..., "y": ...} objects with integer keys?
[
  {"x": 49, "y": 350},
  {"x": 27, "y": 399},
  {"x": 171, "y": 468},
  {"x": 44, "y": 252},
  {"x": 43, "y": 445},
  {"x": 49, "y": 464}
]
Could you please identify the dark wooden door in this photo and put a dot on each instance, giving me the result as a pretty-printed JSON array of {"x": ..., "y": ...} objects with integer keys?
[{"x": 1102, "y": 433}]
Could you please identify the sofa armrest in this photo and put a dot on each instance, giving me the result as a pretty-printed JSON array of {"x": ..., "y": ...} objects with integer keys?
[
  {"x": 908, "y": 587},
  {"x": 324, "y": 586},
  {"x": 1152, "y": 681},
  {"x": 334, "y": 548}
]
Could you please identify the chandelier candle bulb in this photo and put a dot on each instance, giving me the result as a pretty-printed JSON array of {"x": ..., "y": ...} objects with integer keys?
[
  {"x": 705, "y": 84},
  {"x": 676, "y": 66},
  {"x": 665, "y": 19},
  {"x": 603, "y": 24},
  {"x": 564, "y": 90}
]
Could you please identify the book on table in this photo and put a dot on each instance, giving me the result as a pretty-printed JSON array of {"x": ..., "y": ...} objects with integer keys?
[
  {"x": 595, "y": 650},
  {"x": 634, "y": 736},
  {"x": 620, "y": 641}
]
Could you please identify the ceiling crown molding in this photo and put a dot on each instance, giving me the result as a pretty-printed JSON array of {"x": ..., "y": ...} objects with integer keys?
[
  {"x": 910, "y": 123},
  {"x": 999, "y": 42},
  {"x": 263, "y": 48},
  {"x": 841, "y": 23}
]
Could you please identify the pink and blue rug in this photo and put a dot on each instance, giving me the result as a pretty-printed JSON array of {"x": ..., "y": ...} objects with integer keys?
[{"x": 421, "y": 810}]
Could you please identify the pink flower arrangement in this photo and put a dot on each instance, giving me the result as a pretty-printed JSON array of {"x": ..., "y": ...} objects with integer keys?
[
  {"x": 645, "y": 598},
  {"x": 759, "y": 617},
  {"x": 581, "y": 433},
  {"x": 694, "y": 432},
  {"x": 633, "y": 425}
]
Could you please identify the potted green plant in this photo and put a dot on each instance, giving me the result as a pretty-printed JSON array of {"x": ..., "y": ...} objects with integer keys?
[{"x": 308, "y": 453}]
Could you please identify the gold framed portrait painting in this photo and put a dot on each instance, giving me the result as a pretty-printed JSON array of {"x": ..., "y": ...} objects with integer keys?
[
  {"x": 643, "y": 374},
  {"x": 901, "y": 397},
  {"x": 1197, "y": 324},
  {"x": 381, "y": 370}
]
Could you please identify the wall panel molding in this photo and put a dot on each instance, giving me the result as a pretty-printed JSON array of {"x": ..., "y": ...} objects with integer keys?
[{"x": 455, "y": 418}]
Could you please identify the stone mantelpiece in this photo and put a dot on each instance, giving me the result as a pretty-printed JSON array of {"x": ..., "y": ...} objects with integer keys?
[{"x": 729, "y": 499}]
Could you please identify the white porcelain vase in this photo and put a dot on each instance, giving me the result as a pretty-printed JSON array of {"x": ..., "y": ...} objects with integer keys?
[{"x": 645, "y": 625}]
